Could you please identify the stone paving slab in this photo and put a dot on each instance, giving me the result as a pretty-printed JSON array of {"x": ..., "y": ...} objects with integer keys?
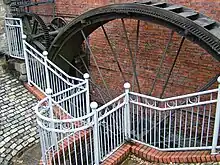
[{"x": 18, "y": 129}]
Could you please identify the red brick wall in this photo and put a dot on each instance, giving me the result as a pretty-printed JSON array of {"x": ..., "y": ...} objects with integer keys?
[
  {"x": 194, "y": 66},
  {"x": 73, "y": 7}
]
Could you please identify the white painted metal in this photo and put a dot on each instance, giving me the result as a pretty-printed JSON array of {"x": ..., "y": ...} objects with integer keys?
[
  {"x": 64, "y": 140},
  {"x": 100, "y": 132},
  {"x": 70, "y": 133},
  {"x": 70, "y": 93},
  {"x": 14, "y": 31},
  {"x": 181, "y": 122},
  {"x": 127, "y": 112},
  {"x": 217, "y": 121},
  {"x": 94, "y": 106}
]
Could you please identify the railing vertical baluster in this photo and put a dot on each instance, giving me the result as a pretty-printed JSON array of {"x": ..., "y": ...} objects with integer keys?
[
  {"x": 86, "y": 77},
  {"x": 7, "y": 35},
  {"x": 94, "y": 106},
  {"x": 42, "y": 140},
  {"x": 217, "y": 121},
  {"x": 127, "y": 112},
  {"x": 50, "y": 105},
  {"x": 159, "y": 136},
  {"x": 26, "y": 59},
  {"x": 21, "y": 32},
  {"x": 45, "y": 53}
]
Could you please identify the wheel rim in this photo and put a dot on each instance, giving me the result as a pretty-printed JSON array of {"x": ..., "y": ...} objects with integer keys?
[{"x": 79, "y": 31}]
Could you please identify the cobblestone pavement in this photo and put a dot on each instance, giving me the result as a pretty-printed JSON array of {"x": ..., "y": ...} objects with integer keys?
[{"x": 18, "y": 129}]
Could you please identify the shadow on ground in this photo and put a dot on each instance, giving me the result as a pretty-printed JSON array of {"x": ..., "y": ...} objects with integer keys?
[{"x": 28, "y": 157}]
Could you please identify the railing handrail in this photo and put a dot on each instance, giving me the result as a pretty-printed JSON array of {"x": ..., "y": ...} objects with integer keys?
[
  {"x": 66, "y": 98},
  {"x": 8, "y": 18},
  {"x": 110, "y": 102},
  {"x": 32, "y": 48},
  {"x": 36, "y": 108},
  {"x": 68, "y": 89},
  {"x": 48, "y": 67},
  {"x": 51, "y": 63},
  {"x": 175, "y": 98},
  {"x": 61, "y": 71},
  {"x": 176, "y": 107},
  {"x": 65, "y": 130},
  {"x": 111, "y": 111}
]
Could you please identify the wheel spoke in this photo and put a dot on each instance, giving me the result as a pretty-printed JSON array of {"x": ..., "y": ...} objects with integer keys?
[
  {"x": 100, "y": 73},
  {"x": 171, "y": 69},
  {"x": 136, "y": 50},
  {"x": 91, "y": 80},
  {"x": 69, "y": 63},
  {"x": 113, "y": 52},
  {"x": 162, "y": 60},
  {"x": 27, "y": 24},
  {"x": 35, "y": 27},
  {"x": 39, "y": 45},
  {"x": 131, "y": 56}
]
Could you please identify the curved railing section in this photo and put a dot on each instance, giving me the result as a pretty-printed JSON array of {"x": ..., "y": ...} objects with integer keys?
[
  {"x": 64, "y": 139},
  {"x": 88, "y": 139}
]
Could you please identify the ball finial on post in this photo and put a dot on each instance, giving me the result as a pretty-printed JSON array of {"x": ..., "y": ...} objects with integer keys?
[
  {"x": 127, "y": 85},
  {"x": 24, "y": 37},
  {"x": 45, "y": 53},
  {"x": 218, "y": 79},
  {"x": 94, "y": 105},
  {"x": 49, "y": 91},
  {"x": 86, "y": 76}
]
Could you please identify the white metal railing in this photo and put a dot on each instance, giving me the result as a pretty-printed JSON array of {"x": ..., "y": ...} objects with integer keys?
[
  {"x": 111, "y": 127},
  {"x": 71, "y": 133},
  {"x": 89, "y": 139},
  {"x": 68, "y": 141},
  {"x": 178, "y": 123},
  {"x": 188, "y": 122},
  {"x": 70, "y": 93},
  {"x": 14, "y": 31}
]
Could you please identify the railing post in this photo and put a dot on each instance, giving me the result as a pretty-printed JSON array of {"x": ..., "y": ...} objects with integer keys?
[
  {"x": 7, "y": 35},
  {"x": 41, "y": 135},
  {"x": 94, "y": 106},
  {"x": 26, "y": 59},
  {"x": 217, "y": 121},
  {"x": 86, "y": 77},
  {"x": 50, "y": 105},
  {"x": 127, "y": 112},
  {"x": 45, "y": 53}
]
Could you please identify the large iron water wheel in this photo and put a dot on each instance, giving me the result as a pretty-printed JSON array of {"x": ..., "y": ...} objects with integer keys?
[{"x": 74, "y": 47}]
